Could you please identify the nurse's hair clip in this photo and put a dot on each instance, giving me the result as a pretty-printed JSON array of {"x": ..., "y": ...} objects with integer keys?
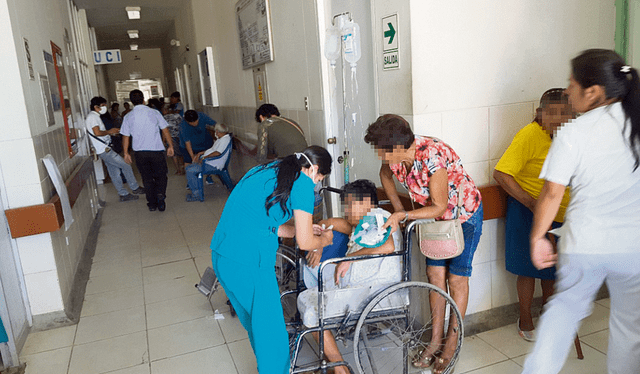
[{"x": 625, "y": 69}]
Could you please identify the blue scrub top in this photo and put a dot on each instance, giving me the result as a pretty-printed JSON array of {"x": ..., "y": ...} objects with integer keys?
[
  {"x": 198, "y": 136},
  {"x": 245, "y": 233}
]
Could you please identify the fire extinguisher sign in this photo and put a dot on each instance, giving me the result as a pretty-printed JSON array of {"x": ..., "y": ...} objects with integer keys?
[{"x": 390, "y": 55}]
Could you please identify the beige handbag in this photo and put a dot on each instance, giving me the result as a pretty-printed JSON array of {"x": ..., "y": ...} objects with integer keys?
[{"x": 441, "y": 240}]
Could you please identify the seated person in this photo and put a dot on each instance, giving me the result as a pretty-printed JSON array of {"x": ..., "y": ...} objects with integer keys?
[
  {"x": 208, "y": 161},
  {"x": 349, "y": 284},
  {"x": 194, "y": 137}
]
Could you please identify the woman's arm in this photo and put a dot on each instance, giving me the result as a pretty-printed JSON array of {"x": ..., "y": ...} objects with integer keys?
[
  {"x": 305, "y": 237},
  {"x": 386, "y": 178},
  {"x": 513, "y": 189},
  {"x": 546, "y": 208},
  {"x": 439, "y": 195}
]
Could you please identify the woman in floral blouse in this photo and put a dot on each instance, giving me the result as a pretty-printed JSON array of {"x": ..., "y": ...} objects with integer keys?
[{"x": 433, "y": 174}]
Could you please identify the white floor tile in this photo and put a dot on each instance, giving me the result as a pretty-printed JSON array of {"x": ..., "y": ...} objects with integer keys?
[
  {"x": 476, "y": 353},
  {"x": 111, "y": 301},
  {"x": 124, "y": 265},
  {"x": 243, "y": 357},
  {"x": 110, "y": 325},
  {"x": 171, "y": 289},
  {"x": 164, "y": 256},
  {"x": 110, "y": 354},
  {"x": 507, "y": 341},
  {"x": 605, "y": 302},
  {"x": 50, "y": 362},
  {"x": 202, "y": 262},
  {"x": 232, "y": 328},
  {"x": 169, "y": 271},
  {"x": 598, "y": 340},
  {"x": 505, "y": 367},
  {"x": 178, "y": 310},
  {"x": 138, "y": 369},
  {"x": 216, "y": 360},
  {"x": 185, "y": 337},
  {"x": 594, "y": 362},
  {"x": 597, "y": 321},
  {"x": 113, "y": 282},
  {"x": 42, "y": 341}
]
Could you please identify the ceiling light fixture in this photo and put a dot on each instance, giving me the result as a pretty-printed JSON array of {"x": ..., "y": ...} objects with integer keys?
[
  {"x": 133, "y": 34},
  {"x": 134, "y": 47},
  {"x": 133, "y": 12}
]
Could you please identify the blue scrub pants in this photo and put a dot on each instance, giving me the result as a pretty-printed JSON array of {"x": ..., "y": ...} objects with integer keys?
[{"x": 254, "y": 294}]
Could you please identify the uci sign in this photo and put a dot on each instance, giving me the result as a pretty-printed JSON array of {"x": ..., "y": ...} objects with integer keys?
[{"x": 107, "y": 56}]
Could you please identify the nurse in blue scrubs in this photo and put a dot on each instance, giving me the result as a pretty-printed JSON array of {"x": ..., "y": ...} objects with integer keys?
[{"x": 245, "y": 242}]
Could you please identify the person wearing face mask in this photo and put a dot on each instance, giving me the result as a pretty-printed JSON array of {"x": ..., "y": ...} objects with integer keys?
[
  {"x": 245, "y": 243},
  {"x": 101, "y": 141},
  {"x": 206, "y": 162}
]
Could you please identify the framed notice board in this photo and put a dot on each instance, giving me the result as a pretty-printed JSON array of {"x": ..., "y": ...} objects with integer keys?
[{"x": 254, "y": 30}]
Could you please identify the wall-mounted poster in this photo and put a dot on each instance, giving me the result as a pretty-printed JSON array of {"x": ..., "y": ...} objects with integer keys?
[
  {"x": 46, "y": 100},
  {"x": 254, "y": 29},
  {"x": 53, "y": 81}
]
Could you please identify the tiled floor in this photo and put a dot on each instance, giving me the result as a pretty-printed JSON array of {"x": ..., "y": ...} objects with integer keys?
[{"x": 143, "y": 315}]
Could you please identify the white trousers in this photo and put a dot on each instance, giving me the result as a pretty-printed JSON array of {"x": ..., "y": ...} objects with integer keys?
[{"x": 578, "y": 279}]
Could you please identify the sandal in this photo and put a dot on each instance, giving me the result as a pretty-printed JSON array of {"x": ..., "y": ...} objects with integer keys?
[
  {"x": 440, "y": 365},
  {"x": 423, "y": 362}
]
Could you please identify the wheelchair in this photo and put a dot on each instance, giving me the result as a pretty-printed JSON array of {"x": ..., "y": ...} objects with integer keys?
[{"x": 381, "y": 334}]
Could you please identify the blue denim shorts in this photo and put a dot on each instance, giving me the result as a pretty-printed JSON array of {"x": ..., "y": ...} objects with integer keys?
[{"x": 461, "y": 265}]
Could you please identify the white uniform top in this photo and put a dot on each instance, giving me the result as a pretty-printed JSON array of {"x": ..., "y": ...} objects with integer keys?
[
  {"x": 592, "y": 155},
  {"x": 93, "y": 120},
  {"x": 219, "y": 146}
]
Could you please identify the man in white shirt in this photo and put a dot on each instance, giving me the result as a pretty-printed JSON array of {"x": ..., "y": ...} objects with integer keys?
[
  {"x": 209, "y": 161},
  {"x": 145, "y": 125},
  {"x": 101, "y": 141}
]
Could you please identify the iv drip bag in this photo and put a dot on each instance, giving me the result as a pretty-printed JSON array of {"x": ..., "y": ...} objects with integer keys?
[
  {"x": 332, "y": 44},
  {"x": 351, "y": 42}
]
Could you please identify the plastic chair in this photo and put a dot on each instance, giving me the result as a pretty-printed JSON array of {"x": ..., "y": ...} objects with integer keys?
[{"x": 223, "y": 173}]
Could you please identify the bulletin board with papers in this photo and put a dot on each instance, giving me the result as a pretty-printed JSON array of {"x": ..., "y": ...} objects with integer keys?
[{"x": 254, "y": 29}]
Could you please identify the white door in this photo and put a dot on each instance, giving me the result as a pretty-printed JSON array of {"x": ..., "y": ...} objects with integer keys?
[
  {"x": 13, "y": 309},
  {"x": 187, "y": 87}
]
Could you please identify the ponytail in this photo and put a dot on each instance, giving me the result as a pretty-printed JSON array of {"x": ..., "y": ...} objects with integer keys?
[
  {"x": 288, "y": 170},
  {"x": 606, "y": 68},
  {"x": 631, "y": 106}
]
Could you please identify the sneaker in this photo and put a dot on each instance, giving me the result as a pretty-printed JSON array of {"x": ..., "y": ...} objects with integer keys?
[
  {"x": 529, "y": 336},
  {"x": 209, "y": 180},
  {"x": 191, "y": 198},
  {"x": 138, "y": 191},
  {"x": 188, "y": 188},
  {"x": 161, "y": 204},
  {"x": 128, "y": 197}
]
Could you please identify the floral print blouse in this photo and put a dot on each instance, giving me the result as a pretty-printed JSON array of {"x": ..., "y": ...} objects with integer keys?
[{"x": 433, "y": 154}]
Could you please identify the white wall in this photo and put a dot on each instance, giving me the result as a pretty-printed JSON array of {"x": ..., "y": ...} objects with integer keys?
[{"x": 146, "y": 61}]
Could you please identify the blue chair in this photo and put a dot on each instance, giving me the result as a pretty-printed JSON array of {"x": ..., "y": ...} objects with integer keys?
[{"x": 223, "y": 173}]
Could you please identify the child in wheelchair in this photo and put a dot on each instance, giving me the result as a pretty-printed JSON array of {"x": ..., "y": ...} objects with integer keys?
[{"x": 349, "y": 284}]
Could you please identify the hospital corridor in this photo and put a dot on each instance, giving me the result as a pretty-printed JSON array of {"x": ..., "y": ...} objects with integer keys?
[{"x": 474, "y": 156}]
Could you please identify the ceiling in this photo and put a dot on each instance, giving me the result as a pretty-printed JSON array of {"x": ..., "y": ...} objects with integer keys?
[{"x": 109, "y": 18}]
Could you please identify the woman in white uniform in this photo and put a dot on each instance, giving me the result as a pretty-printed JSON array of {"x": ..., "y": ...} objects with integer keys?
[{"x": 598, "y": 155}]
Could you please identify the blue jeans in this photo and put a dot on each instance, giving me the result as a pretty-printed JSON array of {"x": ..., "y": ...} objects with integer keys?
[
  {"x": 471, "y": 229},
  {"x": 192, "y": 177},
  {"x": 115, "y": 163}
]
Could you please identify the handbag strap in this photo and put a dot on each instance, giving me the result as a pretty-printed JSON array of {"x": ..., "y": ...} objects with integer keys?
[
  {"x": 459, "y": 202},
  {"x": 98, "y": 139}
]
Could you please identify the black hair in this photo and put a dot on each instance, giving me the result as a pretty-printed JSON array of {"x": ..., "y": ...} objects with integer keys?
[
  {"x": 136, "y": 97},
  {"x": 606, "y": 68},
  {"x": 267, "y": 110},
  {"x": 176, "y": 95},
  {"x": 360, "y": 189},
  {"x": 388, "y": 132},
  {"x": 288, "y": 170},
  {"x": 191, "y": 116},
  {"x": 126, "y": 103},
  {"x": 155, "y": 104},
  {"x": 114, "y": 105},
  {"x": 550, "y": 96},
  {"x": 97, "y": 101}
]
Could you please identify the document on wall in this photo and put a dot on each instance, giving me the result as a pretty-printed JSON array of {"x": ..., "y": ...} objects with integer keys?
[{"x": 61, "y": 189}]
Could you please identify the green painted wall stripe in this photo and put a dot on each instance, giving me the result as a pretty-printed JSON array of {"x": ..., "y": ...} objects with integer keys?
[{"x": 622, "y": 27}]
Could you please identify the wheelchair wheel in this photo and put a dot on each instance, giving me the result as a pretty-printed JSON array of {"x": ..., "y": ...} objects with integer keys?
[
  {"x": 396, "y": 325},
  {"x": 286, "y": 275}
]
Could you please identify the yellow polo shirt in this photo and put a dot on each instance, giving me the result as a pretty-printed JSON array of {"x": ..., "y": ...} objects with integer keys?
[{"x": 523, "y": 161}]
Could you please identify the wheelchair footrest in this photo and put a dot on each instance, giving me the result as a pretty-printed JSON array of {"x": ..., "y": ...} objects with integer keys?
[{"x": 208, "y": 282}]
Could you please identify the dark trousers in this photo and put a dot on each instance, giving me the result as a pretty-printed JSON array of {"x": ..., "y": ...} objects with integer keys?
[{"x": 153, "y": 169}]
